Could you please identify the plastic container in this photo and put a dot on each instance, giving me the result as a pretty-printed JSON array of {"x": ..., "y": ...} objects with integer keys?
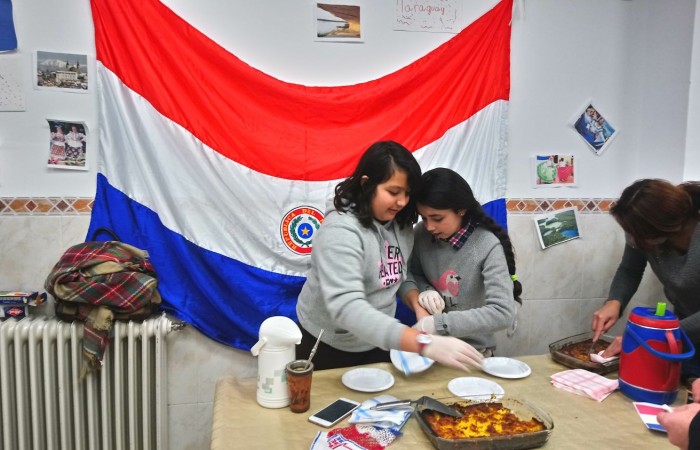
[{"x": 653, "y": 347}]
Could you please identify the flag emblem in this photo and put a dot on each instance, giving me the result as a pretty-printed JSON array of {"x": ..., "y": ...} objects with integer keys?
[{"x": 298, "y": 228}]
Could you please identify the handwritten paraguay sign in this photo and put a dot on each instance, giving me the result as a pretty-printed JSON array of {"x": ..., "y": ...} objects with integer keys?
[{"x": 428, "y": 15}]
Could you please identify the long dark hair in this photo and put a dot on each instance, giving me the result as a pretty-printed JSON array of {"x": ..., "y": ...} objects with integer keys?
[
  {"x": 379, "y": 162},
  {"x": 444, "y": 188},
  {"x": 652, "y": 208}
]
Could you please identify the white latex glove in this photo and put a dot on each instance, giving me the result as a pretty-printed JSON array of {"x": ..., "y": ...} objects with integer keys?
[
  {"x": 426, "y": 324},
  {"x": 431, "y": 301},
  {"x": 453, "y": 352}
]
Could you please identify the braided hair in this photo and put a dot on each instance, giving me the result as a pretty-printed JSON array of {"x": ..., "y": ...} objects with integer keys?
[{"x": 443, "y": 188}]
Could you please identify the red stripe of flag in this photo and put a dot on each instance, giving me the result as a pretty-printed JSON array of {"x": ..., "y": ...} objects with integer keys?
[
  {"x": 288, "y": 130},
  {"x": 651, "y": 410}
]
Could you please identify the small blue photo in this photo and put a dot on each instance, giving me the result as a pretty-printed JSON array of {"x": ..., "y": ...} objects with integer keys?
[{"x": 594, "y": 129}]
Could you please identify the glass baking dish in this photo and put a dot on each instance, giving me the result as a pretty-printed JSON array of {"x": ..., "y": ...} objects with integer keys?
[
  {"x": 521, "y": 408},
  {"x": 555, "y": 349}
]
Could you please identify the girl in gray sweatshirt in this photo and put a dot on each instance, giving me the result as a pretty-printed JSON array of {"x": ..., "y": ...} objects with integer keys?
[
  {"x": 462, "y": 264},
  {"x": 358, "y": 267}
]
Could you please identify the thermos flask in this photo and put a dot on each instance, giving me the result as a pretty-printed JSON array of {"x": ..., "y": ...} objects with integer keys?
[
  {"x": 278, "y": 337},
  {"x": 653, "y": 346}
]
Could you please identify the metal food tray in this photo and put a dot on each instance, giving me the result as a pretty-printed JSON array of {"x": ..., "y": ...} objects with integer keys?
[
  {"x": 575, "y": 363},
  {"x": 521, "y": 408}
]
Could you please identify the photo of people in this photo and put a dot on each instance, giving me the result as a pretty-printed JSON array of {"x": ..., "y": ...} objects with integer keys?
[
  {"x": 557, "y": 227},
  {"x": 553, "y": 170},
  {"x": 595, "y": 130},
  {"x": 65, "y": 72},
  {"x": 67, "y": 145}
]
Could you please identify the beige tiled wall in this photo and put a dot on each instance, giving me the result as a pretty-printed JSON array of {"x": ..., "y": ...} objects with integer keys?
[{"x": 562, "y": 286}]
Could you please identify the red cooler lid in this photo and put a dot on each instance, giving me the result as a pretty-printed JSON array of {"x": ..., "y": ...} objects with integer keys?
[{"x": 645, "y": 316}]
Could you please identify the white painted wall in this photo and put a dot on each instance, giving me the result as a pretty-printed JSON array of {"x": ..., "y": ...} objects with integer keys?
[
  {"x": 632, "y": 58},
  {"x": 692, "y": 143},
  {"x": 24, "y": 136}
]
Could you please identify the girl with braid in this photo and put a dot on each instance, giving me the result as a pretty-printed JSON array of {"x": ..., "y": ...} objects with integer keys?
[
  {"x": 358, "y": 268},
  {"x": 462, "y": 264}
]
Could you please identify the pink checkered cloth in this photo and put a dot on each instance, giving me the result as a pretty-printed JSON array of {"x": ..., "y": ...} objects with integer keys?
[{"x": 583, "y": 382}]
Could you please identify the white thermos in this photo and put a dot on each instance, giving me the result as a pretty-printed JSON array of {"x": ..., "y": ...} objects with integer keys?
[{"x": 277, "y": 339}]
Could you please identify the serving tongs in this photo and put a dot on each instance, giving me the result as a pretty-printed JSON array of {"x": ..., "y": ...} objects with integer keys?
[{"x": 425, "y": 401}]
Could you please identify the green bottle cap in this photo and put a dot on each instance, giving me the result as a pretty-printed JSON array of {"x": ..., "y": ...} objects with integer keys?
[{"x": 661, "y": 309}]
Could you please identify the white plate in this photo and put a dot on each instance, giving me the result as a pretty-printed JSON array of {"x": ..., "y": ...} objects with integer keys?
[
  {"x": 505, "y": 367},
  {"x": 368, "y": 379},
  {"x": 409, "y": 363},
  {"x": 475, "y": 388}
]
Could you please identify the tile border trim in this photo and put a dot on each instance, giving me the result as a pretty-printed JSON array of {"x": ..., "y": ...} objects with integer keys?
[
  {"x": 45, "y": 206},
  {"x": 71, "y": 206}
]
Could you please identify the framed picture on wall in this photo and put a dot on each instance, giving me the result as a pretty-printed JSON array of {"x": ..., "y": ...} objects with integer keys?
[
  {"x": 594, "y": 128},
  {"x": 553, "y": 171},
  {"x": 63, "y": 72},
  {"x": 337, "y": 22},
  {"x": 67, "y": 145},
  {"x": 557, "y": 227}
]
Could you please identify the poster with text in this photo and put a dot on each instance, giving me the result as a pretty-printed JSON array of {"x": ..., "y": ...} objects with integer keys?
[{"x": 438, "y": 16}]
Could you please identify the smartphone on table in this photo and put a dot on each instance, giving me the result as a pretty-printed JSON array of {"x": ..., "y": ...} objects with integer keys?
[{"x": 334, "y": 413}]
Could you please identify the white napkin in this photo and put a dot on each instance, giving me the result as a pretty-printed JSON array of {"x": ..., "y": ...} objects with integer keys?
[
  {"x": 598, "y": 358},
  {"x": 386, "y": 418},
  {"x": 583, "y": 382}
]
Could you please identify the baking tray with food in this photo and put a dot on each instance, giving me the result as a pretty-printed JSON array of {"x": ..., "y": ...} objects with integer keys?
[
  {"x": 574, "y": 352},
  {"x": 505, "y": 423}
]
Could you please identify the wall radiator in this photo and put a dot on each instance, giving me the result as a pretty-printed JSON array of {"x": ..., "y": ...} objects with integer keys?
[{"x": 45, "y": 405}]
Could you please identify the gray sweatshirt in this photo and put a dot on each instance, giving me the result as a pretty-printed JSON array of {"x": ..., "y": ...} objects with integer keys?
[
  {"x": 474, "y": 282},
  {"x": 679, "y": 275},
  {"x": 351, "y": 287}
]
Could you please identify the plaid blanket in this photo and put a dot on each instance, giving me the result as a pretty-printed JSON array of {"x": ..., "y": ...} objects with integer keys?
[{"x": 99, "y": 279}]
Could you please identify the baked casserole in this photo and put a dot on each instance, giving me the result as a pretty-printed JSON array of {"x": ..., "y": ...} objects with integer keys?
[{"x": 480, "y": 420}]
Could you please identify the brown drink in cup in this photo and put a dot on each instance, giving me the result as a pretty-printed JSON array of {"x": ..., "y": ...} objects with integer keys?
[{"x": 299, "y": 383}]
